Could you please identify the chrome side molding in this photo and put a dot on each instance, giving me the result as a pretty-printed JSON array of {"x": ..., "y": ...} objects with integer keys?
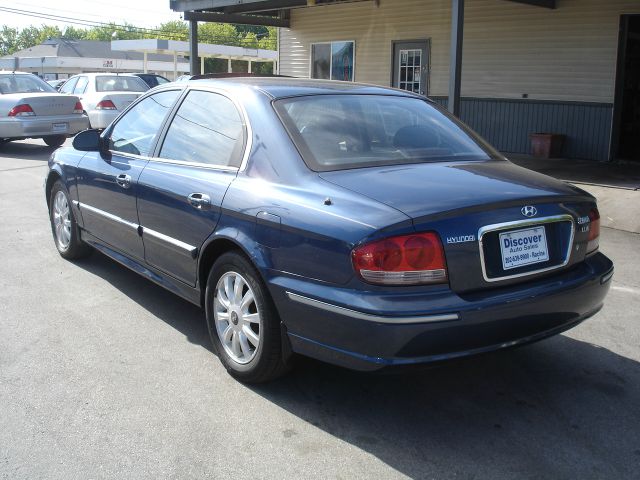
[
  {"x": 193, "y": 251},
  {"x": 369, "y": 317}
]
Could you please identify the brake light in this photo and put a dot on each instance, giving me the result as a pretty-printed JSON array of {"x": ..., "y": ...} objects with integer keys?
[
  {"x": 593, "y": 240},
  {"x": 402, "y": 260},
  {"x": 78, "y": 108},
  {"x": 105, "y": 105},
  {"x": 22, "y": 110}
]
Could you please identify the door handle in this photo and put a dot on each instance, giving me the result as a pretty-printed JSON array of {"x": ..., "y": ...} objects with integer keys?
[
  {"x": 123, "y": 180},
  {"x": 201, "y": 201}
]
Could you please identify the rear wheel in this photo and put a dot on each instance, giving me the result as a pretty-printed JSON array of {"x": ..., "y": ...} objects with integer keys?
[
  {"x": 54, "y": 140},
  {"x": 63, "y": 224},
  {"x": 242, "y": 321}
]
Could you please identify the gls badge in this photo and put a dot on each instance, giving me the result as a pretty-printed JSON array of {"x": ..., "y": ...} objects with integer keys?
[{"x": 529, "y": 211}]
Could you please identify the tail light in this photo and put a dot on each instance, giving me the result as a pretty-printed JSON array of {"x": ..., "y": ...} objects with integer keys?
[
  {"x": 403, "y": 260},
  {"x": 78, "y": 108},
  {"x": 105, "y": 105},
  {"x": 22, "y": 110},
  {"x": 593, "y": 240}
]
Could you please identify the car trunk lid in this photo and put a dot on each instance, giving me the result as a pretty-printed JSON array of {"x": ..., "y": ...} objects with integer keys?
[
  {"x": 121, "y": 99},
  {"x": 45, "y": 104},
  {"x": 466, "y": 202}
]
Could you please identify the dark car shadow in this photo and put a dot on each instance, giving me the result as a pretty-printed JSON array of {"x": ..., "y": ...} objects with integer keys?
[
  {"x": 31, "y": 150},
  {"x": 171, "y": 309},
  {"x": 561, "y": 408}
]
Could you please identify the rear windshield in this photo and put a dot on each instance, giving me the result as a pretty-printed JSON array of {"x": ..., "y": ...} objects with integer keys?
[
  {"x": 118, "y": 83},
  {"x": 23, "y": 84},
  {"x": 335, "y": 132}
]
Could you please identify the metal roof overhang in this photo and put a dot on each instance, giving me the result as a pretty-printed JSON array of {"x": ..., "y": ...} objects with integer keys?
[
  {"x": 271, "y": 11},
  {"x": 274, "y": 13}
]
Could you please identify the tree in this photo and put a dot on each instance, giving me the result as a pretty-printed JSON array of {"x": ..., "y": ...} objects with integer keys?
[
  {"x": 12, "y": 39},
  {"x": 8, "y": 40},
  {"x": 173, "y": 30}
]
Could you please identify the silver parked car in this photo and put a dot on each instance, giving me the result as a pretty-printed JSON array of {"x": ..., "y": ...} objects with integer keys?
[
  {"x": 104, "y": 95},
  {"x": 31, "y": 108}
]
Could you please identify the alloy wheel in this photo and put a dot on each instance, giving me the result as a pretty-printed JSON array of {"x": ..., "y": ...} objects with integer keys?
[
  {"x": 237, "y": 317},
  {"x": 62, "y": 220}
]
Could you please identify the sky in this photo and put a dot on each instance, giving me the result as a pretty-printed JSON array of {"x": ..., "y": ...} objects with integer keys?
[{"x": 143, "y": 13}]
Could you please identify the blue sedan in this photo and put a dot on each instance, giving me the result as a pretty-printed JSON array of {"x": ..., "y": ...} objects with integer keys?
[{"x": 358, "y": 225}]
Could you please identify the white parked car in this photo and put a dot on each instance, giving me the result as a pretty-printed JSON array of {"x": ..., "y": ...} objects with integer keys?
[
  {"x": 104, "y": 95},
  {"x": 31, "y": 108}
]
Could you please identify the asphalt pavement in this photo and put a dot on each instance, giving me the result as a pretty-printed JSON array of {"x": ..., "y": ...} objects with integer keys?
[{"x": 106, "y": 375}]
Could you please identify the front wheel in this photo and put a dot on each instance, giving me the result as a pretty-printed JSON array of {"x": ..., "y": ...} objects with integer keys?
[
  {"x": 242, "y": 321},
  {"x": 54, "y": 140},
  {"x": 63, "y": 224}
]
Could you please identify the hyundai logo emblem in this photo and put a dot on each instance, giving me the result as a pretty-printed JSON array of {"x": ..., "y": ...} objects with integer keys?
[{"x": 529, "y": 211}]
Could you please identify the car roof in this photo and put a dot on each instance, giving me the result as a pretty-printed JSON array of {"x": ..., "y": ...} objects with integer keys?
[
  {"x": 281, "y": 87},
  {"x": 140, "y": 74},
  {"x": 105, "y": 74},
  {"x": 12, "y": 72}
]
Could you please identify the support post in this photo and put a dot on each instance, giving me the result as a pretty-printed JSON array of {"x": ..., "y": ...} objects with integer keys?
[
  {"x": 144, "y": 62},
  {"x": 249, "y": 68},
  {"x": 229, "y": 68},
  {"x": 455, "y": 68},
  {"x": 201, "y": 65},
  {"x": 175, "y": 65},
  {"x": 275, "y": 67},
  {"x": 193, "y": 47}
]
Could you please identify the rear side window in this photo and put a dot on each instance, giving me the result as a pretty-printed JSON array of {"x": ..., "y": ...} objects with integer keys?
[
  {"x": 135, "y": 132},
  {"x": 207, "y": 129},
  {"x": 69, "y": 85},
  {"x": 120, "y": 83},
  {"x": 336, "y": 132}
]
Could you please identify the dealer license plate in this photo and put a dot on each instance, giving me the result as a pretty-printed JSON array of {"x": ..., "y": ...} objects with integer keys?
[
  {"x": 523, "y": 247},
  {"x": 59, "y": 127}
]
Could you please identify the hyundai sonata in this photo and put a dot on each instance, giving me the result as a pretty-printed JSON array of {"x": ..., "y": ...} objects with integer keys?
[{"x": 359, "y": 225}]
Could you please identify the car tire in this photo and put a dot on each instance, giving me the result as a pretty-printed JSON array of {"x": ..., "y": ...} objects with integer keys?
[
  {"x": 242, "y": 321},
  {"x": 54, "y": 140},
  {"x": 64, "y": 227}
]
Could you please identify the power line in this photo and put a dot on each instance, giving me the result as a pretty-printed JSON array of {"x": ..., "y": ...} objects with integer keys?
[
  {"x": 174, "y": 35},
  {"x": 165, "y": 16}
]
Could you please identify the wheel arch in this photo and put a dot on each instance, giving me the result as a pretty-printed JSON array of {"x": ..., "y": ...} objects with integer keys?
[
  {"x": 53, "y": 176},
  {"x": 220, "y": 243}
]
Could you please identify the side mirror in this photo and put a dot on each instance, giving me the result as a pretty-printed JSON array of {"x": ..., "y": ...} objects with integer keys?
[{"x": 88, "y": 141}]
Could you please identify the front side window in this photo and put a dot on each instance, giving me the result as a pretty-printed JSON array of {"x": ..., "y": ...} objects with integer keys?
[
  {"x": 207, "y": 129},
  {"x": 120, "y": 83},
  {"x": 336, "y": 132},
  {"x": 81, "y": 86},
  {"x": 11, "y": 83},
  {"x": 332, "y": 61},
  {"x": 135, "y": 132}
]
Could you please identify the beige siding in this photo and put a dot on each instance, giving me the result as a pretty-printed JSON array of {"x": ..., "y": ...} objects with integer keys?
[{"x": 510, "y": 49}]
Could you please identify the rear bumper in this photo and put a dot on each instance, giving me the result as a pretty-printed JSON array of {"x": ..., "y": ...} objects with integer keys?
[
  {"x": 38, "y": 127},
  {"x": 369, "y": 331}
]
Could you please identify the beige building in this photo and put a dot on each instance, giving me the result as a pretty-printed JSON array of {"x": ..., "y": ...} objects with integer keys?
[{"x": 570, "y": 67}]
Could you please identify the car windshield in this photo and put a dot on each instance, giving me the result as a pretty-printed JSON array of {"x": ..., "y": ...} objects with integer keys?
[
  {"x": 23, "y": 84},
  {"x": 335, "y": 132},
  {"x": 120, "y": 83}
]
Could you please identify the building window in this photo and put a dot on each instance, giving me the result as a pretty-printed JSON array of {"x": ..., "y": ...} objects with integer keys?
[{"x": 332, "y": 61}]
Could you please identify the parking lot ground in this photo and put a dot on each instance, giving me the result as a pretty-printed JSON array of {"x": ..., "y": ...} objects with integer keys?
[{"x": 106, "y": 375}]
